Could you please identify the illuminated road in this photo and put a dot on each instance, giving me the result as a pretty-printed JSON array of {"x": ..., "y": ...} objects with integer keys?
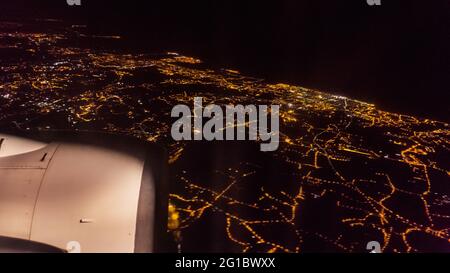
[{"x": 346, "y": 172}]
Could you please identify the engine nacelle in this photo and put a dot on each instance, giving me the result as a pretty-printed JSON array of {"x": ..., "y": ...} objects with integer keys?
[{"x": 99, "y": 192}]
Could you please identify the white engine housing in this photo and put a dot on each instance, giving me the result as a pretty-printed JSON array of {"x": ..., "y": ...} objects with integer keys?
[{"x": 71, "y": 195}]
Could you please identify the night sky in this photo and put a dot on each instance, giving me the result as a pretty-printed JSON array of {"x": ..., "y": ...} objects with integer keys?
[{"x": 395, "y": 55}]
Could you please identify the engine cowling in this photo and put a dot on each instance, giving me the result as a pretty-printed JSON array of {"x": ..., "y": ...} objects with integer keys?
[{"x": 102, "y": 192}]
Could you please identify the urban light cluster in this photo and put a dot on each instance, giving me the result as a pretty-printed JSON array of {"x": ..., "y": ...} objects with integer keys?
[{"x": 347, "y": 172}]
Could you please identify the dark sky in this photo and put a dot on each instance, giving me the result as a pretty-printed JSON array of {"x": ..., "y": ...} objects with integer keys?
[{"x": 395, "y": 55}]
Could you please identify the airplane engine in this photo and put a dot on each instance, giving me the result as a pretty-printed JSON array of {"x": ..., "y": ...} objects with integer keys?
[{"x": 83, "y": 192}]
